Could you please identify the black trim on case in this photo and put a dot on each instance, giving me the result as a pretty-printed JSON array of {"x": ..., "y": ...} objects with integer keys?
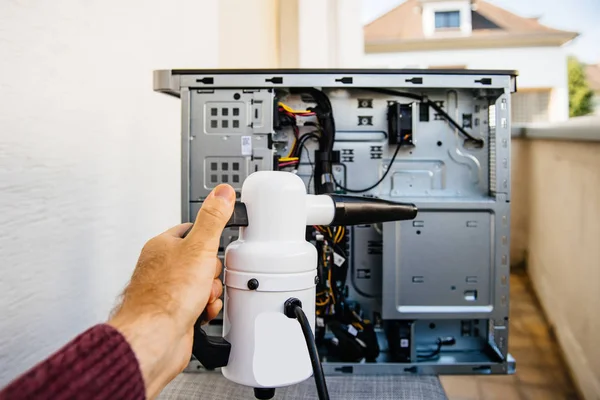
[{"x": 344, "y": 71}]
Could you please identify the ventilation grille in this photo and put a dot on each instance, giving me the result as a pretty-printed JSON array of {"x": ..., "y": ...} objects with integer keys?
[
  {"x": 492, "y": 147},
  {"x": 225, "y": 117},
  {"x": 219, "y": 170}
]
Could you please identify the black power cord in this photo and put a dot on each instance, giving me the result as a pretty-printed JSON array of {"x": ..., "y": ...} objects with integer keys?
[
  {"x": 373, "y": 186},
  {"x": 431, "y": 104},
  {"x": 447, "y": 341},
  {"x": 293, "y": 309}
]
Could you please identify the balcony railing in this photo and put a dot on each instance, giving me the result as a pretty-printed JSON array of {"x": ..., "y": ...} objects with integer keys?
[{"x": 556, "y": 233}]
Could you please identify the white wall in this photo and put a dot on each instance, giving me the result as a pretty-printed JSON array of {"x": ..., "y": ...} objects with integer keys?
[
  {"x": 89, "y": 156},
  {"x": 329, "y": 34},
  {"x": 249, "y": 34},
  {"x": 538, "y": 67}
]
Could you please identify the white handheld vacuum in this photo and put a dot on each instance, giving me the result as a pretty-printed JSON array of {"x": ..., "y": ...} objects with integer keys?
[{"x": 270, "y": 278}]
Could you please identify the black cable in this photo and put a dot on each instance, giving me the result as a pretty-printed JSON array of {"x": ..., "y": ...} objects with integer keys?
[
  {"x": 293, "y": 308},
  {"x": 323, "y": 158},
  {"x": 433, "y": 353},
  {"x": 302, "y": 141},
  {"x": 312, "y": 166},
  {"x": 430, "y": 103},
  {"x": 447, "y": 341},
  {"x": 376, "y": 183}
]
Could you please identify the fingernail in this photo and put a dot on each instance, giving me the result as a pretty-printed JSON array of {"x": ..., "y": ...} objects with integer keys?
[{"x": 225, "y": 192}]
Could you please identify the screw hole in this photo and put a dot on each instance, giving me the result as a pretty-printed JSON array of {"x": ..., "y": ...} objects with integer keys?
[
  {"x": 432, "y": 326},
  {"x": 418, "y": 232},
  {"x": 452, "y": 287},
  {"x": 236, "y": 96},
  {"x": 439, "y": 143}
]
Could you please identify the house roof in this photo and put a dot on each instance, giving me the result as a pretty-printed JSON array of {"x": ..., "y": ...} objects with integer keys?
[
  {"x": 592, "y": 74},
  {"x": 401, "y": 29}
]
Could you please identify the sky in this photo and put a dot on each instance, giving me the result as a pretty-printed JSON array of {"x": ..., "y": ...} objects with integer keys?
[{"x": 582, "y": 16}]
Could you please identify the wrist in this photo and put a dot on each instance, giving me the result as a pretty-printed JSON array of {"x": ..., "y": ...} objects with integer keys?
[{"x": 151, "y": 338}]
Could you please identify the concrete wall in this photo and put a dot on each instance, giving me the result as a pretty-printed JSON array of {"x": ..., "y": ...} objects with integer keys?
[
  {"x": 563, "y": 187},
  {"x": 556, "y": 229},
  {"x": 519, "y": 222},
  {"x": 538, "y": 67}
]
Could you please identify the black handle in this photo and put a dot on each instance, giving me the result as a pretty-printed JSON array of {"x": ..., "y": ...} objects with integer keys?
[
  {"x": 239, "y": 217},
  {"x": 213, "y": 351}
]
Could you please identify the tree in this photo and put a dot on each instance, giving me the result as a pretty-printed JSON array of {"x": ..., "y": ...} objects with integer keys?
[{"x": 580, "y": 94}]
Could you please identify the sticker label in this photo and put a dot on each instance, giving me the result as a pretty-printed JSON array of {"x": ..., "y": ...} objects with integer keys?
[
  {"x": 403, "y": 343},
  {"x": 320, "y": 322},
  {"x": 246, "y": 145},
  {"x": 338, "y": 260},
  {"x": 352, "y": 330}
]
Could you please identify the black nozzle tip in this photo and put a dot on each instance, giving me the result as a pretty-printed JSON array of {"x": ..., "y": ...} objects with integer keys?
[
  {"x": 352, "y": 210},
  {"x": 264, "y": 393}
]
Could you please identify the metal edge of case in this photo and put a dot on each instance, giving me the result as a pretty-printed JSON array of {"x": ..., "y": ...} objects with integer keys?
[
  {"x": 507, "y": 367},
  {"x": 352, "y": 71},
  {"x": 171, "y": 81},
  {"x": 185, "y": 155},
  {"x": 164, "y": 81}
]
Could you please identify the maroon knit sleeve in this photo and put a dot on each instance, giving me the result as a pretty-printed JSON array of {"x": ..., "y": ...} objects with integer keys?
[{"x": 98, "y": 364}]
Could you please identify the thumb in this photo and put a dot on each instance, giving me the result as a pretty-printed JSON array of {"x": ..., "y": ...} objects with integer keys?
[{"x": 211, "y": 219}]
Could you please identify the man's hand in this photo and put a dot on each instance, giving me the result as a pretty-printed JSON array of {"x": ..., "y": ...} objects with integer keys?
[{"x": 174, "y": 281}]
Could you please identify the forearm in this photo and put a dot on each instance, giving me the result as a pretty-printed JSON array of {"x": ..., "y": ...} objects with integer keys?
[{"x": 98, "y": 364}]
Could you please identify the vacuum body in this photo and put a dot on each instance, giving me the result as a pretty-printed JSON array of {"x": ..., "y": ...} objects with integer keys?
[{"x": 270, "y": 263}]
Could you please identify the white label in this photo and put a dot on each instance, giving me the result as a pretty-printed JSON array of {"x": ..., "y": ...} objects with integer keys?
[
  {"x": 352, "y": 330},
  {"x": 338, "y": 260},
  {"x": 320, "y": 322},
  {"x": 246, "y": 145},
  {"x": 403, "y": 342}
]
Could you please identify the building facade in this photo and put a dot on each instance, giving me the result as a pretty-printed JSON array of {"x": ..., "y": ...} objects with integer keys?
[{"x": 475, "y": 34}]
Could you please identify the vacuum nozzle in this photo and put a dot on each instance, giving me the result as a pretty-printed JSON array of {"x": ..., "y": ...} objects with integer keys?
[{"x": 353, "y": 210}]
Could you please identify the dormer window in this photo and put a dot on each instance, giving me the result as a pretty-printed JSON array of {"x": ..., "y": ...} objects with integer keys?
[{"x": 447, "y": 19}]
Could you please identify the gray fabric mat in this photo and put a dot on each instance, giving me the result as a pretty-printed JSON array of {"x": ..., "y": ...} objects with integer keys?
[{"x": 213, "y": 386}]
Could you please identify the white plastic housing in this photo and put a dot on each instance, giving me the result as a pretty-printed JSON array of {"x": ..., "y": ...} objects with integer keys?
[{"x": 268, "y": 349}]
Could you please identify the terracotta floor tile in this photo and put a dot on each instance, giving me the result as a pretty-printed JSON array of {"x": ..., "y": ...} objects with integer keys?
[
  {"x": 519, "y": 341},
  {"x": 553, "y": 359},
  {"x": 499, "y": 391},
  {"x": 546, "y": 343},
  {"x": 527, "y": 356},
  {"x": 562, "y": 379},
  {"x": 535, "y": 376},
  {"x": 500, "y": 379},
  {"x": 460, "y": 387},
  {"x": 541, "y": 393},
  {"x": 522, "y": 309},
  {"x": 538, "y": 330}
]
